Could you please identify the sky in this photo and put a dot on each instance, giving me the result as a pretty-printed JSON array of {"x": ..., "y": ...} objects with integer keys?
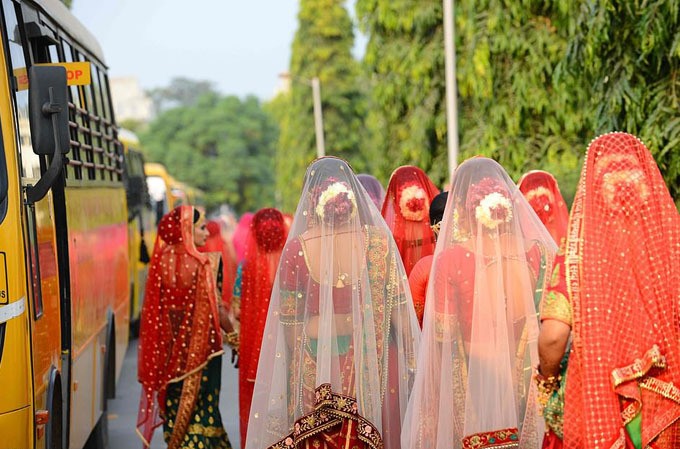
[{"x": 240, "y": 45}]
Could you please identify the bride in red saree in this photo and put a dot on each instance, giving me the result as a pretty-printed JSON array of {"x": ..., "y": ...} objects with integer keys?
[
  {"x": 543, "y": 194},
  {"x": 473, "y": 386},
  {"x": 615, "y": 290},
  {"x": 180, "y": 341},
  {"x": 265, "y": 241},
  {"x": 406, "y": 212},
  {"x": 339, "y": 346}
]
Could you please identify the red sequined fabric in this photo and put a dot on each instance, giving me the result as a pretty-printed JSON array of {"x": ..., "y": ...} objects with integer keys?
[
  {"x": 406, "y": 212},
  {"x": 623, "y": 277},
  {"x": 217, "y": 244},
  {"x": 543, "y": 194},
  {"x": 179, "y": 330},
  {"x": 265, "y": 241}
]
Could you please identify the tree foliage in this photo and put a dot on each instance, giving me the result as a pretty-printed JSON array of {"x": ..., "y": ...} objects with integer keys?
[
  {"x": 627, "y": 57},
  {"x": 180, "y": 92},
  {"x": 404, "y": 62},
  {"x": 321, "y": 48},
  {"x": 511, "y": 106},
  {"x": 222, "y": 145}
]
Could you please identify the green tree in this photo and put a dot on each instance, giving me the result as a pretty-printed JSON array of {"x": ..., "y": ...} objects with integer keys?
[
  {"x": 404, "y": 61},
  {"x": 627, "y": 56},
  {"x": 321, "y": 48},
  {"x": 222, "y": 145},
  {"x": 510, "y": 105},
  {"x": 180, "y": 92}
]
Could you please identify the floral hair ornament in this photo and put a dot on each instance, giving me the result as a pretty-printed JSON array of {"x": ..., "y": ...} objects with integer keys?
[
  {"x": 540, "y": 200},
  {"x": 336, "y": 200},
  {"x": 490, "y": 202},
  {"x": 413, "y": 203}
]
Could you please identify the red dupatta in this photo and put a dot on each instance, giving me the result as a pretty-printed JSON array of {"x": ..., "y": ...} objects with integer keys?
[
  {"x": 240, "y": 235},
  {"x": 543, "y": 194},
  {"x": 623, "y": 278},
  {"x": 216, "y": 244},
  {"x": 179, "y": 330},
  {"x": 267, "y": 235},
  {"x": 406, "y": 212}
]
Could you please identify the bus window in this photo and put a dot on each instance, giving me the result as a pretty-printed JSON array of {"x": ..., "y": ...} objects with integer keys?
[
  {"x": 74, "y": 170},
  {"x": 30, "y": 161}
]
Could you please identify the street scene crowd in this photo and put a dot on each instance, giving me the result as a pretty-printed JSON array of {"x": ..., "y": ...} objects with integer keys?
[{"x": 485, "y": 315}]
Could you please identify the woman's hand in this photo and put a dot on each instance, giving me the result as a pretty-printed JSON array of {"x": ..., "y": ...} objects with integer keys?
[{"x": 225, "y": 322}]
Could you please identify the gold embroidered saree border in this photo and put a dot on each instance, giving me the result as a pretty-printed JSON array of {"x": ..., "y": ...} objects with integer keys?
[
  {"x": 330, "y": 410},
  {"x": 496, "y": 439}
]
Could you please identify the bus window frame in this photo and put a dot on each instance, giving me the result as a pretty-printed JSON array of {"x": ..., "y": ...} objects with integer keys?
[{"x": 33, "y": 252}]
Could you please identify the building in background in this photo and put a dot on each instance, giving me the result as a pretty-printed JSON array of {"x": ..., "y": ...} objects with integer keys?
[{"x": 130, "y": 102}]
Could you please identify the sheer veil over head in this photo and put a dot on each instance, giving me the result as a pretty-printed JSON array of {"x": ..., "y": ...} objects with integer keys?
[
  {"x": 543, "y": 194},
  {"x": 341, "y": 335},
  {"x": 373, "y": 187},
  {"x": 473, "y": 387}
]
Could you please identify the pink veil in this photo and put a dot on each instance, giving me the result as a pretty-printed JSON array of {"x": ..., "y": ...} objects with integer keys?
[
  {"x": 473, "y": 387},
  {"x": 341, "y": 335}
]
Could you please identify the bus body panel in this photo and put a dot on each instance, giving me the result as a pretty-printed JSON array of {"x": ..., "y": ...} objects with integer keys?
[
  {"x": 101, "y": 274},
  {"x": 95, "y": 277},
  {"x": 21, "y": 423},
  {"x": 15, "y": 362},
  {"x": 45, "y": 307},
  {"x": 91, "y": 247}
]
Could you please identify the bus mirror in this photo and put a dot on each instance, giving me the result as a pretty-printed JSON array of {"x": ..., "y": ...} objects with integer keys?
[
  {"x": 48, "y": 106},
  {"x": 48, "y": 111}
]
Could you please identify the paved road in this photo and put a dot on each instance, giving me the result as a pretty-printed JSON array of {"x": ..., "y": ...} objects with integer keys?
[{"x": 123, "y": 409}]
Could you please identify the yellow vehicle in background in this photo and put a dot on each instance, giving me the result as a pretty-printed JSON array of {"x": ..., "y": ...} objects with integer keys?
[
  {"x": 64, "y": 299},
  {"x": 159, "y": 183},
  {"x": 166, "y": 192},
  {"x": 141, "y": 224}
]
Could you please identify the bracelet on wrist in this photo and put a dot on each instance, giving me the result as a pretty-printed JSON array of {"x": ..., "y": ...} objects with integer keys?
[{"x": 546, "y": 386}]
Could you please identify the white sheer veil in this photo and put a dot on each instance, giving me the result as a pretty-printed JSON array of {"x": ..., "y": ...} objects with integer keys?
[
  {"x": 341, "y": 336},
  {"x": 473, "y": 387}
]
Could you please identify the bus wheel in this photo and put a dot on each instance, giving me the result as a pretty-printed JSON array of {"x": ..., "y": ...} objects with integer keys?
[{"x": 54, "y": 430}]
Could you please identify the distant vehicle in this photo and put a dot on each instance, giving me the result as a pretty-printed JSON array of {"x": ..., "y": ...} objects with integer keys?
[
  {"x": 166, "y": 192},
  {"x": 64, "y": 299},
  {"x": 141, "y": 224}
]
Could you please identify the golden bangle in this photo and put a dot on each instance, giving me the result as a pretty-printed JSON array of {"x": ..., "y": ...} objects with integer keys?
[
  {"x": 546, "y": 386},
  {"x": 232, "y": 339}
]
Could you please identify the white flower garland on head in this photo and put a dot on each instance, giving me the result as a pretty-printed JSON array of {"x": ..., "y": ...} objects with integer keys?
[
  {"x": 331, "y": 192},
  {"x": 485, "y": 211},
  {"x": 409, "y": 193},
  {"x": 540, "y": 191}
]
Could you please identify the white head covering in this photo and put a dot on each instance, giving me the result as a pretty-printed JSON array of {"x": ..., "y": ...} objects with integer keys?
[
  {"x": 473, "y": 387},
  {"x": 341, "y": 335}
]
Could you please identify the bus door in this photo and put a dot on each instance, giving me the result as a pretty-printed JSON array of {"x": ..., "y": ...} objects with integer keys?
[{"x": 40, "y": 222}]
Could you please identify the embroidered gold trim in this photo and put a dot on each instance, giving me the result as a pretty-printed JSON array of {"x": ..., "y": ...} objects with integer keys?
[
  {"x": 665, "y": 389},
  {"x": 206, "y": 431},
  {"x": 640, "y": 367},
  {"x": 329, "y": 411}
]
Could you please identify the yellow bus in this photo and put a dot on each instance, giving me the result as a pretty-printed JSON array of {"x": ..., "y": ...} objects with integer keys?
[
  {"x": 64, "y": 302},
  {"x": 160, "y": 184},
  {"x": 166, "y": 192},
  {"x": 141, "y": 224}
]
